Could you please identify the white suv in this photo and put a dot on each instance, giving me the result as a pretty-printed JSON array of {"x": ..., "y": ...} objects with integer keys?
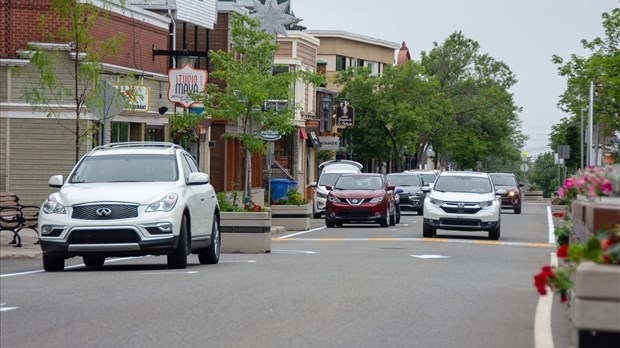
[
  {"x": 131, "y": 199},
  {"x": 464, "y": 201}
]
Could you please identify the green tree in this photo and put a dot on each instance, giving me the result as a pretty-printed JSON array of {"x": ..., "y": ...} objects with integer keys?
[
  {"x": 544, "y": 174},
  {"x": 602, "y": 68},
  {"x": 484, "y": 119},
  {"x": 393, "y": 111},
  {"x": 249, "y": 81},
  {"x": 73, "y": 22}
]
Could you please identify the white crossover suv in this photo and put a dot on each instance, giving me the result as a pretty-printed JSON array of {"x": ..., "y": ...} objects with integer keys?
[
  {"x": 465, "y": 201},
  {"x": 131, "y": 199}
]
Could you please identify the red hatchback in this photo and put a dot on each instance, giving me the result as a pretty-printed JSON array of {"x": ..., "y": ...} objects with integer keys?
[{"x": 361, "y": 197}]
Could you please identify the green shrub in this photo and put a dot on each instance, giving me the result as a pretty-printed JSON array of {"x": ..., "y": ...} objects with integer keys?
[{"x": 293, "y": 197}]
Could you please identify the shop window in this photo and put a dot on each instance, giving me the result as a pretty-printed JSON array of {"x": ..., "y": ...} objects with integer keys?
[
  {"x": 340, "y": 63},
  {"x": 154, "y": 133},
  {"x": 120, "y": 132}
]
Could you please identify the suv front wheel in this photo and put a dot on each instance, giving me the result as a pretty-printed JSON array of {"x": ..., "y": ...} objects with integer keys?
[{"x": 178, "y": 259}]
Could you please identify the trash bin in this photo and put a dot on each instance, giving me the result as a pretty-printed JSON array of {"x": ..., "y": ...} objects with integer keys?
[{"x": 279, "y": 188}]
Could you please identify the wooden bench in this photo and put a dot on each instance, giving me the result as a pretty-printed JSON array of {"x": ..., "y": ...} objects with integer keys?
[{"x": 14, "y": 216}]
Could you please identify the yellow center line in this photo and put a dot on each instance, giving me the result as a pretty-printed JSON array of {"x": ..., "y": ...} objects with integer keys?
[{"x": 432, "y": 240}]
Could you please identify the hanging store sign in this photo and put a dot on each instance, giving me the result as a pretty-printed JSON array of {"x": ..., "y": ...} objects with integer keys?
[
  {"x": 268, "y": 135},
  {"x": 330, "y": 143},
  {"x": 185, "y": 81},
  {"x": 136, "y": 97}
]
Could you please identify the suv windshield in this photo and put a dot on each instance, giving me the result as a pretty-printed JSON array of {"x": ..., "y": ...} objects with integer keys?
[
  {"x": 126, "y": 168},
  {"x": 504, "y": 180},
  {"x": 469, "y": 184},
  {"x": 405, "y": 180},
  {"x": 328, "y": 179}
]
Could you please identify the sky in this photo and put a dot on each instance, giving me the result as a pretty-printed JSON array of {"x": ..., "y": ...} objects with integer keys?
[{"x": 524, "y": 34}]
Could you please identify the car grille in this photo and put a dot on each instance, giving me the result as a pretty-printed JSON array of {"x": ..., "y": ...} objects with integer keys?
[
  {"x": 105, "y": 211},
  {"x": 355, "y": 201},
  {"x": 354, "y": 213},
  {"x": 460, "y": 208},
  {"x": 459, "y": 222},
  {"x": 103, "y": 236}
]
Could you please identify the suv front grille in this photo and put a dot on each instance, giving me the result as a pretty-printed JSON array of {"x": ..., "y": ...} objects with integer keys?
[
  {"x": 461, "y": 208},
  {"x": 105, "y": 212},
  {"x": 103, "y": 236}
]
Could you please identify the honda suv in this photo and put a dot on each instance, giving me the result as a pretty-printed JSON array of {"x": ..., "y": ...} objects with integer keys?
[
  {"x": 464, "y": 201},
  {"x": 131, "y": 199}
]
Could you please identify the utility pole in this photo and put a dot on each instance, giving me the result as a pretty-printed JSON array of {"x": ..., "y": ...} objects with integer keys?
[{"x": 590, "y": 126}]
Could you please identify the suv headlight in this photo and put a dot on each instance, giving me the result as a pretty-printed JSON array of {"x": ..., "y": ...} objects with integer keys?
[
  {"x": 321, "y": 194},
  {"x": 164, "y": 204},
  {"x": 334, "y": 199},
  {"x": 51, "y": 206},
  {"x": 486, "y": 204},
  {"x": 376, "y": 200},
  {"x": 436, "y": 202},
  {"x": 513, "y": 194}
]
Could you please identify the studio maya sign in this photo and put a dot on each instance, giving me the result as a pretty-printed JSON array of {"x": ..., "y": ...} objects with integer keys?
[{"x": 185, "y": 81}]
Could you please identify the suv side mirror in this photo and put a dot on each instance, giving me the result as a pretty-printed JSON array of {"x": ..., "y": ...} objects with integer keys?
[
  {"x": 312, "y": 184},
  {"x": 425, "y": 188}
]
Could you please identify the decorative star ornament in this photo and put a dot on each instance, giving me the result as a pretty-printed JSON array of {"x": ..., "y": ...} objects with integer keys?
[{"x": 273, "y": 17}]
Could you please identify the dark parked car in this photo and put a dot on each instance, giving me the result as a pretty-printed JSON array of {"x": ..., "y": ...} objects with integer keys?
[
  {"x": 514, "y": 191},
  {"x": 361, "y": 197},
  {"x": 409, "y": 189}
]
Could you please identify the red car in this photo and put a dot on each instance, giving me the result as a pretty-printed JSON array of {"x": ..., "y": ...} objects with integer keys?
[{"x": 361, "y": 197}]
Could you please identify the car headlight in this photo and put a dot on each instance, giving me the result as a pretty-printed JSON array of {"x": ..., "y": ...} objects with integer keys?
[
  {"x": 376, "y": 199},
  {"x": 436, "y": 202},
  {"x": 513, "y": 194},
  {"x": 486, "y": 204},
  {"x": 51, "y": 206},
  {"x": 418, "y": 194},
  {"x": 321, "y": 195},
  {"x": 164, "y": 204},
  {"x": 333, "y": 199}
]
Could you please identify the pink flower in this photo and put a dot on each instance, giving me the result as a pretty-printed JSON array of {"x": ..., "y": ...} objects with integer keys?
[{"x": 606, "y": 187}]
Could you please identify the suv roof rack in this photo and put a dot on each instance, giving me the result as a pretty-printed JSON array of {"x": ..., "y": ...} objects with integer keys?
[{"x": 130, "y": 144}]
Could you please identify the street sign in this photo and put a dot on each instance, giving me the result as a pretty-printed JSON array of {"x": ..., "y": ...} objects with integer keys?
[
  {"x": 524, "y": 167},
  {"x": 563, "y": 151}
]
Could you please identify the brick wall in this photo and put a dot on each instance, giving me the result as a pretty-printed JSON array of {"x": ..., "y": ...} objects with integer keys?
[{"x": 19, "y": 24}]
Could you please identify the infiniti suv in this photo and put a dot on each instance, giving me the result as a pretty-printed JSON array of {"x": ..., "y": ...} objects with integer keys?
[
  {"x": 131, "y": 199},
  {"x": 465, "y": 201}
]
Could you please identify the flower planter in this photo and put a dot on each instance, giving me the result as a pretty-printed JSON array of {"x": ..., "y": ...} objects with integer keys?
[
  {"x": 245, "y": 232},
  {"x": 292, "y": 217},
  {"x": 595, "y": 309}
]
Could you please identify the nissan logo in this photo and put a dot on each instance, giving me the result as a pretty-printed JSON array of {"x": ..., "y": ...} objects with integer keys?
[
  {"x": 354, "y": 201},
  {"x": 103, "y": 212}
]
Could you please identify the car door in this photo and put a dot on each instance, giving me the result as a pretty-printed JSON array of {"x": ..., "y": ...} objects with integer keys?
[{"x": 199, "y": 199}]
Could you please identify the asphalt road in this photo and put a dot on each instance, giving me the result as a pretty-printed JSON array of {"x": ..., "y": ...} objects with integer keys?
[{"x": 353, "y": 286}]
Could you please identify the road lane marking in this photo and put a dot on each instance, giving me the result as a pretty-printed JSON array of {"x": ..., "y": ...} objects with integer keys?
[
  {"x": 550, "y": 224},
  {"x": 543, "y": 338},
  {"x": 171, "y": 272},
  {"x": 66, "y": 267},
  {"x": 431, "y": 240},
  {"x": 425, "y": 256},
  {"x": 292, "y": 252},
  {"x": 302, "y": 232}
]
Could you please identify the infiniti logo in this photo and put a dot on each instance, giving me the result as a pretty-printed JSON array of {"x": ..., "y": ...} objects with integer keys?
[{"x": 103, "y": 212}]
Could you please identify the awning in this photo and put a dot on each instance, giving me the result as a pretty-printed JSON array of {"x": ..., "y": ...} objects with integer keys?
[
  {"x": 313, "y": 140},
  {"x": 302, "y": 134}
]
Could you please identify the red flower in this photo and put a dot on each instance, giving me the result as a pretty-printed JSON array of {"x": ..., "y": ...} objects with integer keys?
[
  {"x": 558, "y": 215},
  {"x": 540, "y": 280},
  {"x": 563, "y": 297},
  {"x": 562, "y": 251}
]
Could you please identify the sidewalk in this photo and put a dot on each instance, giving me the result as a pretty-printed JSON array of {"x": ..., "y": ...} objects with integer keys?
[{"x": 28, "y": 249}]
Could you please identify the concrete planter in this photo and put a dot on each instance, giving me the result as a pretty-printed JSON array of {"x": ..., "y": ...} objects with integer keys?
[
  {"x": 588, "y": 217},
  {"x": 595, "y": 309},
  {"x": 245, "y": 232},
  {"x": 292, "y": 217}
]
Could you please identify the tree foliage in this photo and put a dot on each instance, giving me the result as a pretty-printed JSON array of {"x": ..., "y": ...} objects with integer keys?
[
  {"x": 484, "y": 119},
  {"x": 247, "y": 73},
  {"x": 70, "y": 22},
  {"x": 602, "y": 68},
  {"x": 544, "y": 174},
  {"x": 455, "y": 101}
]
